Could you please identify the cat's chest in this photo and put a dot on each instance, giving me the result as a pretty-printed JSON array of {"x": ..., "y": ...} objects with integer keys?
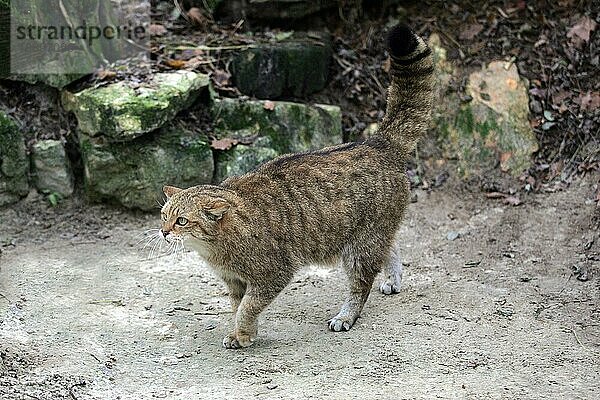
[{"x": 199, "y": 247}]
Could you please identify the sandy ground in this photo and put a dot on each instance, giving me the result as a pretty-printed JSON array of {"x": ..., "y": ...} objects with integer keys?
[{"x": 509, "y": 309}]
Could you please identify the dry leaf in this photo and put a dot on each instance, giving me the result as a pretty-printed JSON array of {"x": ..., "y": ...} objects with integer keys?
[
  {"x": 269, "y": 105},
  {"x": 176, "y": 64},
  {"x": 157, "y": 30},
  {"x": 106, "y": 74},
  {"x": 580, "y": 32},
  {"x": 223, "y": 144},
  {"x": 194, "y": 62},
  {"x": 196, "y": 16},
  {"x": 471, "y": 31},
  {"x": 560, "y": 97},
  {"x": 504, "y": 157},
  {"x": 495, "y": 195},
  {"x": 221, "y": 77},
  {"x": 589, "y": 101},
  {"x": 387, "y": 64},
  {"x": 512, "y": 200}
]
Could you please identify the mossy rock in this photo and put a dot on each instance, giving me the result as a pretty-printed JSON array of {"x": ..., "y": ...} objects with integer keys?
[
  {"x": 14, "y": 164},
  {"x": 122, "y": 111},
  {"x": 52, "y": 169},
  {"x": 490, "y": 130},
  {"x": 134, "y": 173},
  {"x": 296, "y": 66},
  {"x": 243, "y": 158},
  {"x": 269, "y": 129},
  {"x": 292, "y": 127}
]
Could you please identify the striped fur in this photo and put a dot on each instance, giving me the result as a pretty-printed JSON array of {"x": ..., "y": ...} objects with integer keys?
[{"x": 342, "y": 203}]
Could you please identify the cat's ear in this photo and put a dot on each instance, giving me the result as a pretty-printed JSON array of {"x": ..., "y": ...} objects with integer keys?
[
  {"x": 216, "y": 209},
  {"x": 170, "y": 191}
]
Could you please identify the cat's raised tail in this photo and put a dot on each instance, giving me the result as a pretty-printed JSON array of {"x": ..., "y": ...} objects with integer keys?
[{"x": 410, "y": 95}]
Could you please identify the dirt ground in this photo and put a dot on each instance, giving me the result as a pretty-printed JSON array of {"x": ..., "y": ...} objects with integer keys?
[{"x": 508, "y": 309}]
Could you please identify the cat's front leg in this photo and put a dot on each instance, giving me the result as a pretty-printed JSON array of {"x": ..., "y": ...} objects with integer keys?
[{"x": 255, "y": 300}]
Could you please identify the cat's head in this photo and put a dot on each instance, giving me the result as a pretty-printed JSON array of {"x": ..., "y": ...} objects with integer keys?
[{"x": 197, "y": 212}]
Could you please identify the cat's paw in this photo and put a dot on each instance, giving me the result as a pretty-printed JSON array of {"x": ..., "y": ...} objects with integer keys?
[
  {"x": 340, "y": 323},
  {"x": 237, "y": 341},
  {"x": 389, "y": 286}
]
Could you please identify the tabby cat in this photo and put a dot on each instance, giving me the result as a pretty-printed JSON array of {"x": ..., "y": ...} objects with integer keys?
[{"x": 343, "y": 202}]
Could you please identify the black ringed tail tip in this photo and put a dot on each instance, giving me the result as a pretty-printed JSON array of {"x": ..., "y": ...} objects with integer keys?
[{"x": 401, "y": 41}]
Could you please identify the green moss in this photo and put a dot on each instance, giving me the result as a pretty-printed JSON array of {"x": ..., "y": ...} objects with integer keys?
[
  {"x": 276, "y": 127},
  {"x": 465, "y": 121},
  {"x": 242, "y": 158},
  {"x": 122, "y": 113},
  {"x": 133, "y": 173},
  {"x": 291, "y": 127}
]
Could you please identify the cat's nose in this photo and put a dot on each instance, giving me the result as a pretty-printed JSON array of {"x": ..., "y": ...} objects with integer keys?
[{"x": 165, "y": 233}]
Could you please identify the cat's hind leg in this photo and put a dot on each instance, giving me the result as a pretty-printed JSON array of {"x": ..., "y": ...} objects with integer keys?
[
  {"x": 392, "y": 277},
  {"x": 362, "y": 268},
  {"x": 236, "y": 289}
]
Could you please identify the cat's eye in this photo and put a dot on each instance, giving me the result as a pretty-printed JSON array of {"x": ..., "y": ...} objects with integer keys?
[{"x": 182, "y": 221}]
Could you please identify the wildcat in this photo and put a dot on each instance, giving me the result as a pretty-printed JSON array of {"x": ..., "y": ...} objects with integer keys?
[{"x": 343, "y": 202}]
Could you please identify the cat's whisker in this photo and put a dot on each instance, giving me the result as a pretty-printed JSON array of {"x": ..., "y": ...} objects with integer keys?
[
  {"x": 147, "y": 236},
  {"x": 157, "y": 245},
  {"x": 178, "y": 248},
  {"x": 161, "y": 202},
  {"x": 150, "y": 240}
]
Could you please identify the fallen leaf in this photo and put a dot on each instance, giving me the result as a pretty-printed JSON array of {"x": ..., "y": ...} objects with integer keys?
[
  {"x": 471, "y": 31},
  {"x": 283, "y": 35},
  {"x": 176, "y": 64},
  {"x": 157, "y": 30},
  {"x": 580, "y": 32},
  {"x": 559, "y": 97},
  {"x": 269, "y": 105},
  {"x": 196, "y": 16},
  {"x": 195, "y": 62},
  {"x": 589, "y": 101},
  {"x": 387, "y": 64},
  {"x": 495, "y": 195},
  {"x": 512, "y": 200},
  {"x": 221, "y": 77},
  {"x": 106, "y": 74},
  {"x": 223, "y": 144},
  {"x": 537, "y": 92},
  {"x": 504, "y": 157}
]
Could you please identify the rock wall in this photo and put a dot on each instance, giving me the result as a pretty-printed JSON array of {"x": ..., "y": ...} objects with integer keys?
[
  {"x": 14, "y": 164},
  {"x": 132, "y": 140},
  {"x": 131, "y": 144}
]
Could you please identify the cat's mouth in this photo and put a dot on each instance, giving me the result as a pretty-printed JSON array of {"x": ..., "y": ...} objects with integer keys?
[{"x": 170, "y": 237}]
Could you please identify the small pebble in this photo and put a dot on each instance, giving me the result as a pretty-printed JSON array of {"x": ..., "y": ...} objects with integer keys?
[{"x": 452, "y": 235}]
